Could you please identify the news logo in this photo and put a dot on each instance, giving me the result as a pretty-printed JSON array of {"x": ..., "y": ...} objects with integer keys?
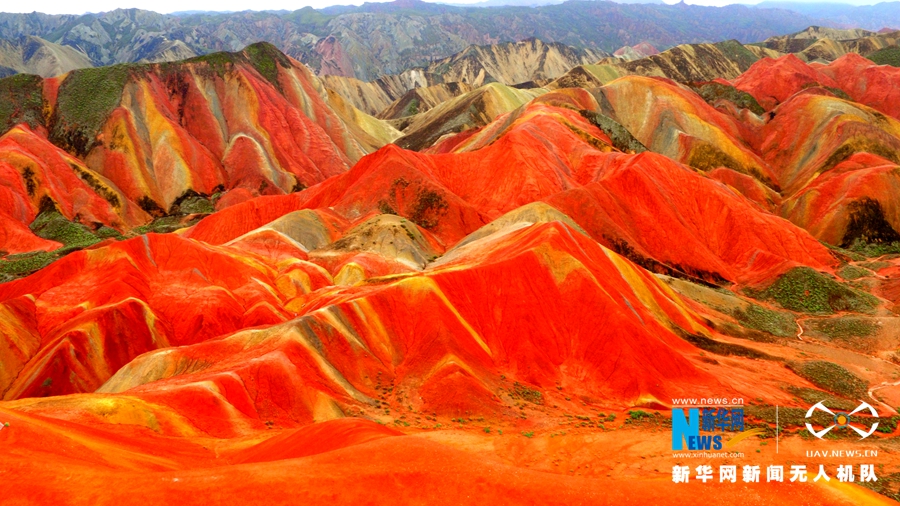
[{"x": 705, "y": 429}]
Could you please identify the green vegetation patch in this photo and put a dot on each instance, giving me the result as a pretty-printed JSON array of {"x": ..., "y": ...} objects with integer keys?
[
  {"x": 263, "y": 56},
  {"x": 196, "y": 205},
  {"x": 736, "y": 52},
  {"x": 875, "y": 144},
  {"x": 638, "y": 415},
  {"x": 805, "y": 290},
  {"x": 266, "y": 59},
  {"x": 845, "y": 254},
  {"x": 886, "y": 56},
  {"x": 192, "y": 202},
  {"x": 787, "y": 417},
  {"x": 712, "y": 92},
  {"x": 853, "y": 272},
  {"x": 874, "y": 250},
  {"x": 888, "y": 425},
  {"x": 777, "y": 323},
  {"x": 831, "y": 377},
  {"x": 220, "y": 63},
  {"x": 706, "y": 156},
  {"x": 811, "y": 396},
  {"x": 887, "y": 485},
  {"x": 721, "y": 348},
  {"x": 21, "y": 101},
  {"x": 843, "y": 327},
  {"x": 85, "y": 100},
  {"x": 526, "y": 393},
  {"x": 412, "y": 108},
  {"x": 164, "y": 225},
  {"x": 875, "y": 266},
  {"x": 618, "y": 134},
  {"x": 54, "y": 226},
  {"x": 15, "y": 266}
]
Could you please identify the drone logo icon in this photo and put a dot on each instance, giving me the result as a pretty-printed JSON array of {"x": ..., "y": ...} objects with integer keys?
[{"x": 841, "y": 419}]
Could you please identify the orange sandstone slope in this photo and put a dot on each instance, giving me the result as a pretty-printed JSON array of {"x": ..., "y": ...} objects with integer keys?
[
  {"x": 263, "y": 272},
  {"x": 604, "y": 331},
  {"x": 75, "y": 323},
  {"x": 867, "y": 83},
  {"x": 544, "y": 152},
  {"x": 772, "y": 81}
]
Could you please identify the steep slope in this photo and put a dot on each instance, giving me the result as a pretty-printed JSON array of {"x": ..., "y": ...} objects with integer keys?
[
  {"x": 867, "y": 83},
  {"x": 33, "y": 55},
  {"x": 464, "y": 112},
  {"x": 683, "y": 63},
  {"x": 829, "y": 44},
  {"x": 448, "y": 347},
  {"x": 811, "y": 133},
  {"x": 509, "y": 63},
  {"x": 156, "y": 291},
  {"x": 672, "y": 200},
  {"x": 419, "y": 100},
  {"x": 676, "y": 122},
  {"x": 772, "y": 81},
  {"x": 506, "y": 63},
  {"x": 474, "y": 178},
  {"x": 371, "y": 97}
]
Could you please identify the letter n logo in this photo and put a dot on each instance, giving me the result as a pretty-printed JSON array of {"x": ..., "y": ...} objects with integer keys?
[{"x": 682, "y": 428}]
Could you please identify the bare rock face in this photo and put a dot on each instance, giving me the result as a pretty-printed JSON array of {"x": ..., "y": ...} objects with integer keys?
[
  {"x": 386, "y": 235},
  {"x": 33, "y": 55},
  {"x": 418, "y": 89}
]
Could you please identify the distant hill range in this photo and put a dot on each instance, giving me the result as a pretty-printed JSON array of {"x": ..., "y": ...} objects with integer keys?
[
  {"x": 828, "y": 44},
  {"x": 869, "y": 17},
  {"x": 374, "y": 40},
  {"x": 533, "y": 63},
  {"x": 528, "y": 61}
]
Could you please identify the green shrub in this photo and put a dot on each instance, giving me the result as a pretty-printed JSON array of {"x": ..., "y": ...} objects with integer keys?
[
  {"x": 803, "y": 289},
  {"x": 852, "y": 272},
  {"x": 711, "y": 92},
  {"x": 53, "y": 226},
  {"x": 638, "y": 415},
  {"x": 526, "y": 393},
  {"x": 86, "y": 98},
  {"x": 886, "y": 56},
  {"x": 831, "y": 377},
  {"x": 21, "y": 101},
  {"x": 776, "y": 323}
]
